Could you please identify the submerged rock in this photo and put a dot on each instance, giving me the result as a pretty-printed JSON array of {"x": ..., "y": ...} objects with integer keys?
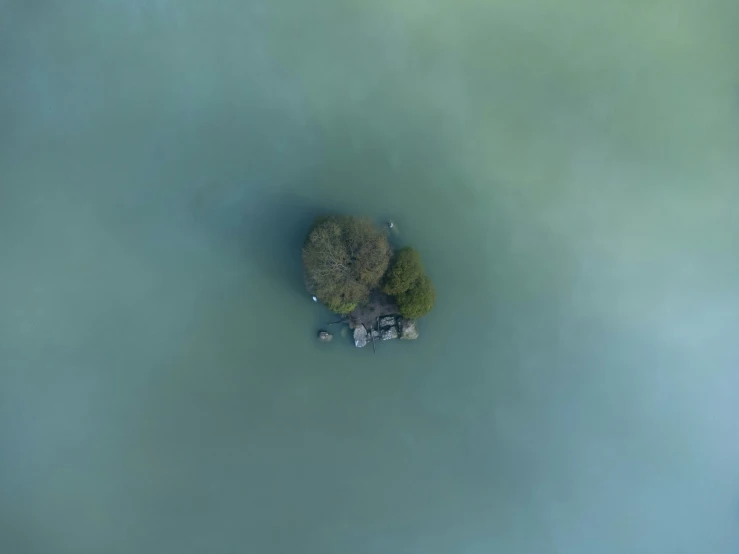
[
  {"x": 389, "y": 333},
  {"x": 387, "y": 321},
  {"x": 408, "y": 329},
  {"x": 360, "y": 337},
  {"x": 325, "y": 336}
]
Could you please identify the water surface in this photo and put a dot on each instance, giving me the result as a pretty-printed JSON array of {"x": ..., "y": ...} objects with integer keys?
[{"x": 569, "y": 173}]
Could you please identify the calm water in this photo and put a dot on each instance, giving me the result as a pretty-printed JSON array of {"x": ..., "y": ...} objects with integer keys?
[{"x": 569, "y": 171}]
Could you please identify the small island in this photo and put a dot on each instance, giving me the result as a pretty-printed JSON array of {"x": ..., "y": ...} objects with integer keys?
[{"x": 351, "y": 268}]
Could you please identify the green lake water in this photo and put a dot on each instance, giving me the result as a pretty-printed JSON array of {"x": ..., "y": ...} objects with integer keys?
[{"x": 569, "y": 172}]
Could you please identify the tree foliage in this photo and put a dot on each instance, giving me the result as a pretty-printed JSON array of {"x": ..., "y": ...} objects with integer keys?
[
  {"x": 405, "y": 269},
  {"x": 418, "y": 300},
  {"x": 344, "y": 258}
]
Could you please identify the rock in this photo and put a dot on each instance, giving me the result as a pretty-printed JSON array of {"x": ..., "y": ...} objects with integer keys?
[
  {"x": 325, "y": 336},
  {"x": 389, "y": 333},
  {"x": 376, "y": 333},
  {"x": 387, "y": 321},
  {"x": 360, "y": 337},
  {"x": 408, "y": 329}
]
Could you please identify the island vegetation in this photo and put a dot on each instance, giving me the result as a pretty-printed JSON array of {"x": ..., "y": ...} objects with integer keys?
[{"x": 351, "y": 268}]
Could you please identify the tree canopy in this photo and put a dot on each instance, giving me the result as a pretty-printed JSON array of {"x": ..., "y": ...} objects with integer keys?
[
  {"x": 344, "y": 258},
  {"x": 418, "y": 300},
  {"x": 405, "y": 269}
]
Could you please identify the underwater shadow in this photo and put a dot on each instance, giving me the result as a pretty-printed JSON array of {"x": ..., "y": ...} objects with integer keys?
[{"x": 271, "y": 232}]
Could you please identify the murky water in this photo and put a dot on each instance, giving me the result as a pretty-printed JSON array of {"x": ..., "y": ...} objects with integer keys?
[{"x": 569, "y": 172}]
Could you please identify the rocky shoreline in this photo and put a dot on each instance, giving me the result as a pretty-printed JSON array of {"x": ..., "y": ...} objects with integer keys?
[
  {"x": 376, "y": 320},
  {"x": 388, "y": 327}
]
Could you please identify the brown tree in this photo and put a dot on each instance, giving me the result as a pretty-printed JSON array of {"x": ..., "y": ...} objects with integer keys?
[{"x": 344, "y": 258}]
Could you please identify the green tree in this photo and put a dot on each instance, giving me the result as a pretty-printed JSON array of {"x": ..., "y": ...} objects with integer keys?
[
  {"x": 418, "y": 300},
  {"x": 344, "y": 258},
  {"x": 405, "y": 269}
]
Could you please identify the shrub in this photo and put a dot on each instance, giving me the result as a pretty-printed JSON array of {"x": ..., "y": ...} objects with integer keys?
[
  {"x": 344, "y": 258},
  {"x": 405, "y": 269},
  {"x": 418, "y": 300},
  {"x": 340, "y": 307}
]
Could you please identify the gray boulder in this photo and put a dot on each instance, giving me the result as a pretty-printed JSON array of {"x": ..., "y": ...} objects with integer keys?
[
  {"x": 389, "y": 333},
  {"x": 325, "y": 336},
  {"x": 387, "y": 321},
  {"x": 408, "y": 329},
  {"x": 360, "y": 337}
]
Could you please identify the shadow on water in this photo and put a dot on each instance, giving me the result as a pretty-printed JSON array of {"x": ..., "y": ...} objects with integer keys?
[
  {"x": 266, "y": 228},
  {"x": 350, "y": 166},
  {"x": 392, "y": 167},
  {"x": 269, "y": 207},
  {"x": 273, "y": 229}
]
